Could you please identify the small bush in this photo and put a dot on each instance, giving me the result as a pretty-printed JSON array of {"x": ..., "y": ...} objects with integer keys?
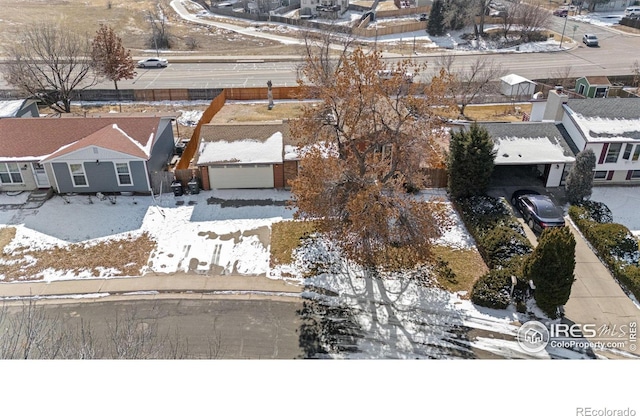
[
  {"x": 630, "y": 278},
  {"x": 501, "y": 244},
  {"x": 616, "y": 241},
  {"x": 597, "y": 211},
  {"x": 493, "y": 289}
]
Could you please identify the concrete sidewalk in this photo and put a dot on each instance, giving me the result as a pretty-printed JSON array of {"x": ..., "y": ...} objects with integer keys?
[
  {"x": 166, "y": 284},
  {"x": 597, "y": 299}
]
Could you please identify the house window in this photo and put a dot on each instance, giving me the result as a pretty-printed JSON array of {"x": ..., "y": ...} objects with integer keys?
[
  {"x": 613, "y": 152},
  {"x": 627, "y": 151},
  {"x": 124, "y": 174},
  {"x": 635, "y": 174},
  {"x": 10, "y": 173},
  {"x": 600, "y": 174},
  {"x": 78, "y": 175},
  {"x": 636, "y": 154},
  {"x": 581, "y": 89}
]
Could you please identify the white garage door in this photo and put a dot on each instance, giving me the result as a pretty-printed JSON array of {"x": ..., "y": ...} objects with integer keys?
[{"x": 241, "y": 176}]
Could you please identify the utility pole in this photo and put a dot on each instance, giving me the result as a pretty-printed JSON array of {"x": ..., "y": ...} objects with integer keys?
[{"x": 564, "y": 27}]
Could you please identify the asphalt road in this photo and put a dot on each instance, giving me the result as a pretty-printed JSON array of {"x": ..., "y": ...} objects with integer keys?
[
  {"x": 614, "y": 56},
  {"x": 246, "y": 328}
]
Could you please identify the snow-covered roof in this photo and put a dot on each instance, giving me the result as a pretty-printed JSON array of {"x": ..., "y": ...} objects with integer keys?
[
  {"x": 513, "y": 79},
  {"x": 607, "y": 129},
  {"x": 242, "y": 151},
  {"x": 529, "y": 150},
  {"x": 528, "y": 143},
  {"x": 606, "y": 119},
  {"x": 9, "y": 108}
]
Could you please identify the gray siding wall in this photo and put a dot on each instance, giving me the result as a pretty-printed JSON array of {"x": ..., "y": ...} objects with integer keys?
[
  {"x": 163, "y": 147},
  {"x": 101, "y": 178}
]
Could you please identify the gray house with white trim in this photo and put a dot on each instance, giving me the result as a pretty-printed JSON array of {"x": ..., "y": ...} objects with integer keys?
[{"x": 84, "y": 155}]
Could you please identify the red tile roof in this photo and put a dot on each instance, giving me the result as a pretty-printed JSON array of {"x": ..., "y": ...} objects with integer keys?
[{"x": 40, "y": 137}]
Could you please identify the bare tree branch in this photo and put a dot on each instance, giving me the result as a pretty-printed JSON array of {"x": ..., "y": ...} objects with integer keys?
[{"x": 50, "y": 64}]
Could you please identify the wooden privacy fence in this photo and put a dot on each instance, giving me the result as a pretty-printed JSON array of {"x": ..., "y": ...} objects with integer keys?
[
  {"x": 161, "y": 181},
  {"x": 260, "y": 93},
  {"x": 191, "y": 148},
  {"x": 371, "y": 32},
  {"x": 436, "y": 177}
]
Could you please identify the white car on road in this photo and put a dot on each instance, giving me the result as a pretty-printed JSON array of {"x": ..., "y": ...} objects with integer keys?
[{"x": 153, "y": 63}]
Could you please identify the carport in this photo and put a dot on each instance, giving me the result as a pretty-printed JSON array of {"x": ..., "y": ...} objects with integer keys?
[{"x": 530, "y": 153}]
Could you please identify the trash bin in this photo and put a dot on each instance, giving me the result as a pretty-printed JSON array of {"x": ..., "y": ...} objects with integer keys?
[
  {"x": 176, "y": 187},
  {"x": 194, "y": 186}
]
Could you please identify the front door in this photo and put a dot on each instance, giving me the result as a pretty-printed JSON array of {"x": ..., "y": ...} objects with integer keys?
[{"x": 42, "y": 180}]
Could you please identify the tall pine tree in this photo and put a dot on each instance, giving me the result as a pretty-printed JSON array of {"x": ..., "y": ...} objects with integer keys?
[
  {"x": 470, "y": 164},
  {"x": 435, "y": 25},
  {"x": 580, "y": 177},
  {"x": 551, "y": 267}
]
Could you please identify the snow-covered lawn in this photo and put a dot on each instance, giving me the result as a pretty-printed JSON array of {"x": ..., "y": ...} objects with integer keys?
[
  {"x": 396, "y": 317},
  {"x": 190, "y": 233},
  {"x": 623, "y": 201}
]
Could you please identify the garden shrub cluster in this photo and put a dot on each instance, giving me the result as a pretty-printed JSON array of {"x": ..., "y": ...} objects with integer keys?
[
  {"x": 502, "y": 244},
  {"x": 614, "y": 243}
]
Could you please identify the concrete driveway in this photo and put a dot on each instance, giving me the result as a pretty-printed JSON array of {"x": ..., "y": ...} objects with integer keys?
[{"x": 596, "y": 297}]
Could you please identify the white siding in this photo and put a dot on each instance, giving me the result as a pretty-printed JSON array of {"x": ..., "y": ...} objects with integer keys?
[
  {"x": 574, "y": 132},
  {"x": 241, "y": 176},
  {"x": 555, "y": 175}
]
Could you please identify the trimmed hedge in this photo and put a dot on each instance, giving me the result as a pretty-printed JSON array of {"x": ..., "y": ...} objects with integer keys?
[
  {"x": 499, "y": 236},
  {"x": 502, "y": 244},
  {"x": 492, "y": 290},
  {"x": 614, "y": 243}
]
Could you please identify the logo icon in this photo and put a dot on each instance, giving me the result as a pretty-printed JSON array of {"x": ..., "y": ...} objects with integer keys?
[{"x": 533, "y": 336}]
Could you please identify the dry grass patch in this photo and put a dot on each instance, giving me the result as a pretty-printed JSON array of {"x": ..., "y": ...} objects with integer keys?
[
  {"x": 285, "y": 238},
  {"x": 124, "y": 257},
  {"x": 493, "y": 112},
  {"x": 258, "y": 112},
  {"x": 129, "y": 20},
  {"x": 6, "y": 235},
  {"x": 466, "y": 267}
]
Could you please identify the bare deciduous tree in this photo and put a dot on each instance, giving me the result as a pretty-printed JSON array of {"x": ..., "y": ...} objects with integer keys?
[
  {"x": 50, "y": 63},
  {"x": 562, "y": 76},
  {"x": 470, "y": 82},
  {"x": 110, "y": 58},
  {"x": 369, "y": 139},
  {"x": 532, "y": 18},
  {"x": 635, "y": 70},
  {"x": 160, "y": 37}
]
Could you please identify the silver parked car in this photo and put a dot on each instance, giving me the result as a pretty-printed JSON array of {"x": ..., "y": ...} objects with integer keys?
[
  {"x": 590, "y": 40},
  {"x": 153, "y": 63}
]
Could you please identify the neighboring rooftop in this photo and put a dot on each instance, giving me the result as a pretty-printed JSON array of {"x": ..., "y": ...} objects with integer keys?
[
  {"x": 29, "y": 138},
  {"x": 614, "y": 119},
  {"x": 611, "y": 108},
  {"x": 598, "y": 80},
  {"x": 240, "y": 131}
]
